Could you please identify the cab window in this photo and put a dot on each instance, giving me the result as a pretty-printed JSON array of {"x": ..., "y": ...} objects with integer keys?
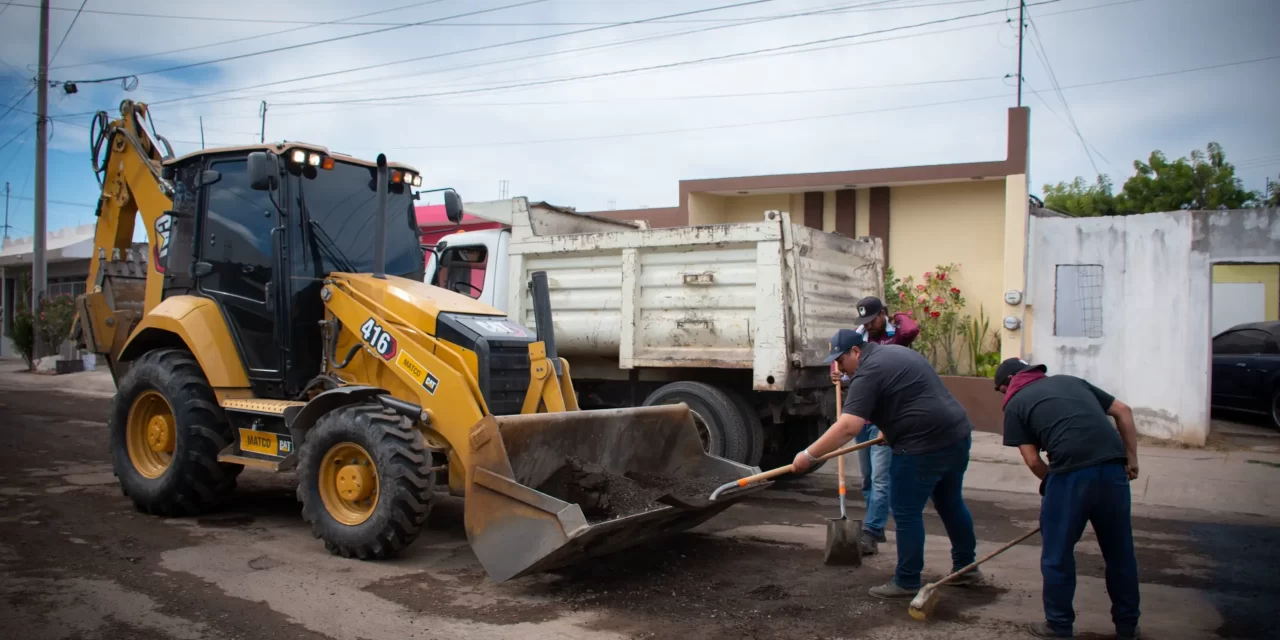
[{"x": 462, "y": 270}]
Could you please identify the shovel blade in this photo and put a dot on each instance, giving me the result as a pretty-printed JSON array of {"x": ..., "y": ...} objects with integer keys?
[{"x": 844, "y": 543}]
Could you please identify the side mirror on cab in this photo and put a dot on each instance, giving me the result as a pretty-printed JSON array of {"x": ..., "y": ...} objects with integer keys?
[
  {"x": 264, "y": 171},
  {"x": 453, "y": 206}
]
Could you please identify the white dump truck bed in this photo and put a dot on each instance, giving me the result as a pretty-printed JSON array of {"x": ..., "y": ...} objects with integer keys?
[{"x": 764, "y": 296}]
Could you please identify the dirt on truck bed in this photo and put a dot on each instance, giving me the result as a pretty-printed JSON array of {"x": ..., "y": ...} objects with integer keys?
[{"x": 606, "y": 496}]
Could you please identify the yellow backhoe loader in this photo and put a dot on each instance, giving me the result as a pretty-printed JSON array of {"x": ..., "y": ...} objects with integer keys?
[{"x": 279, "y": 321}]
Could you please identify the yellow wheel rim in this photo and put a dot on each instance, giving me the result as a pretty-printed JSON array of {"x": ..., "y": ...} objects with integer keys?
[
  {"x": 348, "y": 483},
  {"x": 151, "y": 435}
]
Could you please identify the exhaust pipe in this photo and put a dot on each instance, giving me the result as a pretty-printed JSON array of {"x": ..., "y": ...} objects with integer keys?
[
  {"x": 541, "y": 294},
  {"x": 380, "y": 220}
]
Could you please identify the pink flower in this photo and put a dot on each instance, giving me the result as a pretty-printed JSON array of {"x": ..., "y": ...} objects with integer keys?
[
  {"x": 928, "y": 274},
  {"x": 939, "y": 300},
  {"x": 902, "y": 295},
  {"x": 922, "y": 299},
  {"x": 955, "y": 291},
  {"x": 942, "y": 275},
  {"x": 919, "y": 287},
  {"x": 935, "y": 314}
]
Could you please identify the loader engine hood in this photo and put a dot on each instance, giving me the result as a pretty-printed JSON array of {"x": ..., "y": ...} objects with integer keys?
[{"x": 496, "y": 348}]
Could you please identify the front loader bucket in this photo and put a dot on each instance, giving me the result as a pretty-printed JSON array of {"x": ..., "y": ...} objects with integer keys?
[{"x": 551, "y": 489}]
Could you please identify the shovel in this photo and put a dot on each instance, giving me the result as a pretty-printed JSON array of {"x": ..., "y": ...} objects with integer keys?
[
  {"x": 844, "y": 536},
  {"x": 682, "y": 502}
]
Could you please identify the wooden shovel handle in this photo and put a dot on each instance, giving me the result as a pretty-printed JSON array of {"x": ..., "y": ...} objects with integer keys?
[
  {"x": 840, "y": 460},
  {"x": 781, "y": 471}
]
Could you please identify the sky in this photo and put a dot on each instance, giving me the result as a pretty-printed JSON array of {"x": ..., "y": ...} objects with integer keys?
[{"x": 600, "y": 104}]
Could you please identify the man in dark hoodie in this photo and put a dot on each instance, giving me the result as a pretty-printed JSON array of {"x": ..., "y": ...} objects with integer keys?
[{"x": 1091, "y": 463}]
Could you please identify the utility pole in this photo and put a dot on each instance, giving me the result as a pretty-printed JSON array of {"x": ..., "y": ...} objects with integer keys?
[
  {"x": 1022, "y": 7},
  {"x": 262, "y": 113},
  {"x": 202, "y": 132},
  {"x": 6, "y": 210},
  {"x": 38, "y": 267}
]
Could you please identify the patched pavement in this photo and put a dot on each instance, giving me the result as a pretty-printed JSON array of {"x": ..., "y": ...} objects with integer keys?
[{"x": 77, "y": 561}]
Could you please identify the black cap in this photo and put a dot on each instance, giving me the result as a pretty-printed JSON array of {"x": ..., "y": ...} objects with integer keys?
[
  {"x": 843, "y": 341},
  {"x": 1012, "y": 367},
  {"x": 868, "y": 308}
]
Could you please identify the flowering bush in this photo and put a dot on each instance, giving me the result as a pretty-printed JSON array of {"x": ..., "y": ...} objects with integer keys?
[{"x": 936, "y": 305}]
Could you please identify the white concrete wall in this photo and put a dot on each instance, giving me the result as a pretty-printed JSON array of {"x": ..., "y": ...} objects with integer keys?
[
  {"x": 1154, "y": 349},
  {"x": 1154, "y": 352}
]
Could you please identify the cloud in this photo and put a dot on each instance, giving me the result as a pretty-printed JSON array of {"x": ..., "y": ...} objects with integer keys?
[{"x": 471, "y": 141}]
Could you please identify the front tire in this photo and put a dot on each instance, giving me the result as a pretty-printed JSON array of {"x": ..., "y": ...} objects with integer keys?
[
  {"x": 365, "y": 482},
  {"x": 166, "y": 431}
]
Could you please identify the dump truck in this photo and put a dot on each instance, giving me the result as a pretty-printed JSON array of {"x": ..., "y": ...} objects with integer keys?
[
  {"x": 280, "y": 323},
  {"x": 732, "y": 320}
]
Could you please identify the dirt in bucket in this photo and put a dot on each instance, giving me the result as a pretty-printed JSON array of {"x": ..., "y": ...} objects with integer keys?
[{"x": 606, "y": 496}]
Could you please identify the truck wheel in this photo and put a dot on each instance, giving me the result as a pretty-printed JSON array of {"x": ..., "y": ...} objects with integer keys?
[
  {"x": 754, "y": 427},
  {"x": 365, "y": 482},
  {"x": 720, "y": 423},
  {"x": 166, "y": 431}
]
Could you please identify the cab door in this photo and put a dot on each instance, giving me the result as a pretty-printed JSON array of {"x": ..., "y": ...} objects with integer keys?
[{"x": 238, "y": 268}]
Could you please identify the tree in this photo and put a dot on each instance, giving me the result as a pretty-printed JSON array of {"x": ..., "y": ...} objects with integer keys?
[
  {"x": 1273, "y": 193},
  {"x": 1081, "y": 199},
  {"x": 1204, "y": 181}
]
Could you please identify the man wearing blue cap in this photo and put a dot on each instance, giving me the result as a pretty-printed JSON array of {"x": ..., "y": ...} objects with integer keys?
[{"x": 897, "y": 389}]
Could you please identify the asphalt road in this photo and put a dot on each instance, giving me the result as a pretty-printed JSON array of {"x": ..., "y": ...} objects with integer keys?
[{"x": 77, "y": 561}]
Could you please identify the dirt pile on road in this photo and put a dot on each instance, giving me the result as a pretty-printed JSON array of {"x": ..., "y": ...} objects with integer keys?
[{"x": 606, "y": 496}]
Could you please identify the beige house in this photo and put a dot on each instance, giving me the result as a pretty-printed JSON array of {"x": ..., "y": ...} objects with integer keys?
[{"x": 973, "y": 214}]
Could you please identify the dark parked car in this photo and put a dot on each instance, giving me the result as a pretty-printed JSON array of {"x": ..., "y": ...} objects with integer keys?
[{"x": 1246, "y": 369}]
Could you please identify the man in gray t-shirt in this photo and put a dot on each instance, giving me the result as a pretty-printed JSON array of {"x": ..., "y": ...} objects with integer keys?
[{"x": 897, "y": 389}]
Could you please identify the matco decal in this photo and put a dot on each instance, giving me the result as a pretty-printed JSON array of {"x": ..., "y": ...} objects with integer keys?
[
  {"x": 163, "y": 228},
  {"x": 380, "y": 340},
  {"x": 418, "y": 372}
]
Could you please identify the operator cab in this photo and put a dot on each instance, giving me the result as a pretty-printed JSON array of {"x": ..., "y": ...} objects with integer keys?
[{"x": 258, "y": 228}]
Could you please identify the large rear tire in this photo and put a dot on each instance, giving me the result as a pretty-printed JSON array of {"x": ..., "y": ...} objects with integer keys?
[
  {"x": 365, "y": 482},
  {"x": 720, "y": 423},
  {"x": 166, "y": 430},
  {"x": 754, "y": 426}
]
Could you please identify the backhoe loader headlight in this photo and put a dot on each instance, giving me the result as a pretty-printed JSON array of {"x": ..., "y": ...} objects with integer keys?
[
  {"x": 314, "y": 159},
  {"x": 299, "y": 156},
  {"x": 417, "y": 181}
]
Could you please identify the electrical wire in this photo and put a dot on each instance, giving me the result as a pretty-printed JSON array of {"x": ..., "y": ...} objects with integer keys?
[
  {"x": 617, "y": 43},
  {"x": 15, "y": 137},
  {"x": 340, "y": 22},
  {"x": 835, "y": 115},
  {"x": 682, "y": 63},
  {"x": 15, "y": 105},
  {"x": 68, "y": 32},
  {"x": 301, "y": 45},
  {"x": 1038, "y": 48},
  {"x": 313, "y": 23},
  {"x": 449, "y": 53},
  {"x": 64, "y": 203}
]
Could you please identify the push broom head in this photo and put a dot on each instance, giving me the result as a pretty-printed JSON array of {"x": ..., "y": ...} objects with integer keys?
[{"x": 924, "y": 603}]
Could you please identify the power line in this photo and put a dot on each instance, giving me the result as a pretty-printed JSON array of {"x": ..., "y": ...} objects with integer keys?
[
  {"x": 617, "y": 43},
  {"x": 668, "y": 65},
  {"x": 15, "y": 137},
  {"x": 456, "y": 52},
  {"x": 68, "y": 31},
  {"x": 313, "y": 23},
  {"x": 15, "y": 104},
  {"x": 836, "y": 115},
  {"x": 1038, "y": 47},
  {"x": 342, "y": 21},
  {"x": 315, "y": 42},
  {"x": 61, "y": 202}
]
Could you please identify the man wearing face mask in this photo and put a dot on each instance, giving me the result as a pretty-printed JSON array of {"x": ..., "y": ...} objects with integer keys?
[{"x": 875, "y": 323}]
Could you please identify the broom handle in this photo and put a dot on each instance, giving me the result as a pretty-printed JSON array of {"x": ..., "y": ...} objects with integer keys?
[{"x": 991, "y": 555}]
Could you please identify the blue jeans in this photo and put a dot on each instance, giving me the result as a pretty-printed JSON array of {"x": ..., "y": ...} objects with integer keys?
[
  {"x": 915, "y": 479},
  {"x": 874, "y": 464},
  {"x": 1099, "y": 495}
]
